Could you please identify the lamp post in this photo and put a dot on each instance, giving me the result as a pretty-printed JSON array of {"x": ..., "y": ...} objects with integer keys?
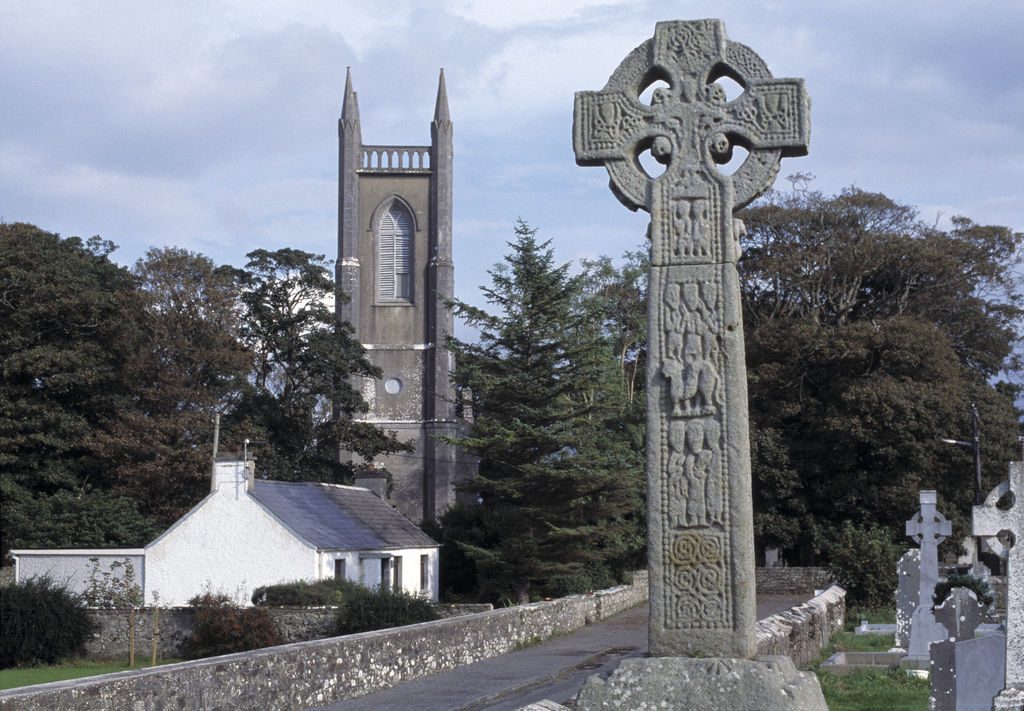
[{"x": 973, "y": 444}]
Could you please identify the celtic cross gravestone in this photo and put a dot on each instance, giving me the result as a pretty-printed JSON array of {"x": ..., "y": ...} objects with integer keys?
[
  {"x": 700, "y": 530},
  {"x": 1003, "y": 513},
  {"x": 928, "y": 528}
]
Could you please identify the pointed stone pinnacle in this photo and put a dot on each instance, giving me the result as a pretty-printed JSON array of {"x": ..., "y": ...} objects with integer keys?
[
  {"x": 349, "y": 105},
  {"x": 441, "y": 108}
]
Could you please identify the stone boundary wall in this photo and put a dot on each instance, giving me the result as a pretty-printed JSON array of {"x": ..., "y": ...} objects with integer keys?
[
  {"x": 109, "y": 639},
  {"x": 803, "y": 632},
  {"x": 788, "y": 581},
  {"x": 317, "y": 672}
]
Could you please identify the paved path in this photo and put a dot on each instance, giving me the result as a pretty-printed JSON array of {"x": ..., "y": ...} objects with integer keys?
[{"x": 554, "y": 670}]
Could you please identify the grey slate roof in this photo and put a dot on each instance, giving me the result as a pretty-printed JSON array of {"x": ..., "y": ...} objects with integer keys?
[{"x": 346, "y": 517}]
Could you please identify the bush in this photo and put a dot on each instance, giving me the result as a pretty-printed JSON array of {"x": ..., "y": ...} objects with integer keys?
[
  {"x": 114, "y": 588},
  {"x": 366, "y": 610},
  {"x": 863, "y": 560},
  {"x": 963, "y": 580},
  {"x": 577, "y": 583},
  {"x": 40, "y": 623},
  {"x": 303, "y": 593},
  {"x": 222, "y": 627}
]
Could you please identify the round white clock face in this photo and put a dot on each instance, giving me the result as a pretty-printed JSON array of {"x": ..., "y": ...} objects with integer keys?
[{"x": 393, "y": 386}]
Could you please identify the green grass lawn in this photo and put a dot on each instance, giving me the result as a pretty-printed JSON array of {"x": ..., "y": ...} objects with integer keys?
[
  {"x": 874, "y": 615},
  {"x": 849, "y": 642},
  {"x": 871, "y": 690},
  {"x": 11, "y": 678}
]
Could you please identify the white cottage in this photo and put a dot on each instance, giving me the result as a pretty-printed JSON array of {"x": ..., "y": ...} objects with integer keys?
[{"x": 248, "y": 533}]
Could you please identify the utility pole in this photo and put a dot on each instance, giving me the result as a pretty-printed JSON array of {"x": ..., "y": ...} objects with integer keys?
[{"x": 974, "y": 444}]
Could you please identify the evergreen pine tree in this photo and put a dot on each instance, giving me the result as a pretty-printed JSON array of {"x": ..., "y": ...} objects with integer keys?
[{"x": 559, "y": 484}]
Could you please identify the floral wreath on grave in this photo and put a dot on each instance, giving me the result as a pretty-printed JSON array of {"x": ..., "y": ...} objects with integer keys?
[{"x": 963, "y": 580}]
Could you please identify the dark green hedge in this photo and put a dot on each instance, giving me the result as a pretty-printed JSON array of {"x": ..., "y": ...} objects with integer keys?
[
  {"x": 366, "y": 610},
  {"x": 40, "y": 623},
  {"x": 303, "y": 593}
]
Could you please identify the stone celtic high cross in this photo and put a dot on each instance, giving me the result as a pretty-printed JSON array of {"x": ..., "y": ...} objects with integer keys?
[
  {"x": 990, "y": 519},
  {"x": 700, "y": 526}
]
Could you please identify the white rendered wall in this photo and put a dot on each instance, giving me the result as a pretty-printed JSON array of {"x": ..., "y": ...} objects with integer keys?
[
  {"x": 351, "y": 559},
  {"x": 72, "y": 567},
  {"x": 411, "y": 571},
  {"x": 228, "y": 543},
  {"x": 366, "y": 570}
]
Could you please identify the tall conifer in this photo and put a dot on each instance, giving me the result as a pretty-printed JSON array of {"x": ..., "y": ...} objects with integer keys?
[{"x": 557, "y": 491}]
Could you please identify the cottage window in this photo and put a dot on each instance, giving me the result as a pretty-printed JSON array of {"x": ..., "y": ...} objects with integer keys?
[
  {"x": 396, "y": 567},
  {"x": 424, "y": 573},
  {"x": 394, "y": 254},
  {"x": 339, "y": 569}
]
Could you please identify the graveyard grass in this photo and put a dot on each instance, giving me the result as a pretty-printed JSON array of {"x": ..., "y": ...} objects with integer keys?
[
  {"x": 870, "y": 690},
  {"x": 74, "y": 669}
]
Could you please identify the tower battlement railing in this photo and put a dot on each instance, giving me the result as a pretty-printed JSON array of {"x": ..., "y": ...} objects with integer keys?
[{"x": 394, "y": 159}]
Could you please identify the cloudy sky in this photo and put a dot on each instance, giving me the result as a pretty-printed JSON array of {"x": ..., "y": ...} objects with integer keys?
[{"x": 213, "y": 125}]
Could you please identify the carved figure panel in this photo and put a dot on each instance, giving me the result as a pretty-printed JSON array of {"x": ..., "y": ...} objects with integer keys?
[
  {"x": 690, "y": 354},
  {"x": 695, "y": 474}
]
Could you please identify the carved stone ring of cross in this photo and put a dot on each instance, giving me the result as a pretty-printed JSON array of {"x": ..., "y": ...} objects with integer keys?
[
  {"x": 690, "y": 125},
  {"x": 994, "y": 543},
  {"x": 935, "y": 526}
]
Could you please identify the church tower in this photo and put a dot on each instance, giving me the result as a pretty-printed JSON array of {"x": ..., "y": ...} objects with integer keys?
[{"x": 395, "y": 266}]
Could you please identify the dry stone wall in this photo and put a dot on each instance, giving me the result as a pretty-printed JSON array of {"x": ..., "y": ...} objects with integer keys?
[
  {"x": 802, "y": 632},
  {"x": 316, "y": 672},
  {"x": 791, "y": 581},
  {"x": 109, "y": 639}
]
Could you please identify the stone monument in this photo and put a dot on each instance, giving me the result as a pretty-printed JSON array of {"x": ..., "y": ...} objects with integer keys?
[
  {"x": 908, "y": 577},
  {"x": 928, "y": 528},
  {"x": 700, "y": 524},
  {"x": 960, "y": 614},
  {"x": 991, "y": 519}
]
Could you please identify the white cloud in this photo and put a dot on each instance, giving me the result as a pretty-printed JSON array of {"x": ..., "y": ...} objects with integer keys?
[{"x": 523, "y": 13}]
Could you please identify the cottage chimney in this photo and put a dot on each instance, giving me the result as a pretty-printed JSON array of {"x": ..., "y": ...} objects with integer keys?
[
  {"x": 231, "y": 472},
  {"x": 374, "y": 480}
]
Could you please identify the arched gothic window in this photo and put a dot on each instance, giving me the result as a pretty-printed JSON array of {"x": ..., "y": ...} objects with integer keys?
[{"x": 394, "y": 254}]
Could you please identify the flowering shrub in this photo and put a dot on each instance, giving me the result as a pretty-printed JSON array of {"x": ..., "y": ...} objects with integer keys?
[{"x": 222, "y": 627}]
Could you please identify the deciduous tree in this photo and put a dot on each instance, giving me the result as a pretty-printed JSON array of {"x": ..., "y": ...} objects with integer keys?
[
  {"x": 868, "y": 335},
  {"x": 302, "y": 401}
]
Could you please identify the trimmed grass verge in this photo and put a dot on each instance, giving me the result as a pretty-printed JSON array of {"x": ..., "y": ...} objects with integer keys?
[
  {"x": 870, "y": 690},
  {"x": 11, "y": 678},
  {"x": 849, "y": 642}
]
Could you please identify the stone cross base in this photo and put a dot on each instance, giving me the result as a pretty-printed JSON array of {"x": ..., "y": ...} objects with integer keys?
[
  {"x": 1009, "y": 700},
  {"x": 683, "y": 683}
]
